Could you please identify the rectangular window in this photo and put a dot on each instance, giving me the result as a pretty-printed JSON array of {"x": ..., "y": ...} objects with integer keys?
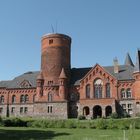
[
  {"x": 13, "y": 110},
  {"x": 21, "y": 110},
  {"x": 25, "y": 110},
  {"x": 50, "y": 109},
  {"x": 1, "y": 110},
  {"x": 129, "y": 105},
  {"x": 123, "y": 106},
  {"x": 130, "y": 112}
]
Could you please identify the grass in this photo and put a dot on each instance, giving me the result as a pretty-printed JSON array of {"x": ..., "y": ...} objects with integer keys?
[{"x": 23, "y": 133}]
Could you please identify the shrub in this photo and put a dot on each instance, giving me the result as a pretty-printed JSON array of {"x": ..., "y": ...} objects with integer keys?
[
  {"x": 70, "y": 124},
  {"x": 114, "y": 115},
  {"x": 111, "y": 124},
  {"x": 83, "y": 124},
  {"x": 125, "y": 115},
  {"x": 96, "y": 123},
  {"x": 123, "y": 124},
  {"x": 14, "y": 122},
  {"x": 81, "y": 117},
  {"x": 1, "y": 121},
  {"x": 92, "y": 124},
  {"x": 101, "y": 124}
]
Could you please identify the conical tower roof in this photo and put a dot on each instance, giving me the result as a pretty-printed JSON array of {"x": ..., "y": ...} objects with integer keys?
[
  {"x": 62, "y": 74},
  {"x": 40, "y": 76},
  {"x": 128, "y": 60}
]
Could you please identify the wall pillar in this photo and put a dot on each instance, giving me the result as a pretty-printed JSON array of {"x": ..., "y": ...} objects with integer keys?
[
  {"x": 104, "y": 91},
  {"x": 91, "y": 91},
  {"x": 103, "y": 112}
]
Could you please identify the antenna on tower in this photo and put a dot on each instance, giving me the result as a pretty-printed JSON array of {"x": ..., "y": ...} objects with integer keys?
[
  {"x": 56, "y": 27},
  {"x": 52, "y": 28}
]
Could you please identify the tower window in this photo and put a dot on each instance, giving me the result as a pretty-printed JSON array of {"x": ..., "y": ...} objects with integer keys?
[{"x": 50, "y": 41}]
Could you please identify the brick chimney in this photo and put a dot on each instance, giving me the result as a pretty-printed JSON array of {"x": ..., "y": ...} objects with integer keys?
[{"x": 116, "y": 65}]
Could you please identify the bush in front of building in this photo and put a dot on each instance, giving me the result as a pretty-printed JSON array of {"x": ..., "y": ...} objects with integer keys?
[
  {"x": 101, "y": 123},
  {"x": 14, "y": 122},
  {"x": 72, "y": 123},
  {"x": 1, "y": 121},
  {"x": 81, "y": 117},
  {"x": 111, "y": 124},
  {"x": 114, "y": 115}
]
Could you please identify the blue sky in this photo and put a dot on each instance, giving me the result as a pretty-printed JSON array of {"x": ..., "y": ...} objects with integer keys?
[{"x": 100, "y": 31}]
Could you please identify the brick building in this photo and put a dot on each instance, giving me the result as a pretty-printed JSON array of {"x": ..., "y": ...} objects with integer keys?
[{"x": 59, "y": 91}]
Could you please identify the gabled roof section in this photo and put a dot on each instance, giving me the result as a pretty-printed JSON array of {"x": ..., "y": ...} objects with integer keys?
[
  {"x": 29, "y": 77},
  {"x": 128, "y": 60},
  {"x": 125, "y": 73},
  {"x": 97, "y": 65}
]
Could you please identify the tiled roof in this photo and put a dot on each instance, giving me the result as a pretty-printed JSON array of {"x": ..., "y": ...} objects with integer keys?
[
  {"x": 15, "y": 83},
  {"x": 125, "y": 73}
]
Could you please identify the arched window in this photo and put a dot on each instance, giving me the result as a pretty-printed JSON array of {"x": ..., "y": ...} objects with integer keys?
[
  {"x": 98, "y": 84},
  {"x": 2, "y": 99},
  {"x": 107, "y": 90},
  {"x": 122, "y": 93},
  {"x": 22, "y": 99},
  {"x": 26, "y": 98},
  {"x": 88, "y": 91},
  {"x": 50, "y": 97},
  {"x": 128, "y": 93},
  {"x": 13, "y": 98}
]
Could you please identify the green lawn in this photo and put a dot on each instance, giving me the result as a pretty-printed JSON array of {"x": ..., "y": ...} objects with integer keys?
[{"x": 22, "y": 133}]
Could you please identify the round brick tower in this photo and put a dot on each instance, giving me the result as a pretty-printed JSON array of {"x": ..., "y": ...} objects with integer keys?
[{"x": 55, "y": 55}]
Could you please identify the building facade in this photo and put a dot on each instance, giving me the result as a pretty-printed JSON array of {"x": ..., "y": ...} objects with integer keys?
[{"x": 59, "y": 91}]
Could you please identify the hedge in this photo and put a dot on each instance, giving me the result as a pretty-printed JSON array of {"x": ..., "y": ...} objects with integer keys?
[{"x": 126, "y": 123}]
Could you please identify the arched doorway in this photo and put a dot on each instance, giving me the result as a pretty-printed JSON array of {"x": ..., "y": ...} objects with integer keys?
[
  {"x": 108, "y": 111},
  {"x": 97, "y": 111},
  {"x": 86, "y": 111}
]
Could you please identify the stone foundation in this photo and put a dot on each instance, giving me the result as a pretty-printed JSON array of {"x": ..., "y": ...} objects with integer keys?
[
  {"x": 17, "y": 113},
  {"x": 3, "y": 113},
  {"x": 53, "y": 110}
]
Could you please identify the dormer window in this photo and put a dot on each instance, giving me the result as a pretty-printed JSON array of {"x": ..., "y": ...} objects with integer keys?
[{"x": 25, "y": 84}]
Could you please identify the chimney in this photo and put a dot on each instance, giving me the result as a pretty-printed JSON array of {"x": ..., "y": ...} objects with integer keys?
[{"x": 116, "y": 65}]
